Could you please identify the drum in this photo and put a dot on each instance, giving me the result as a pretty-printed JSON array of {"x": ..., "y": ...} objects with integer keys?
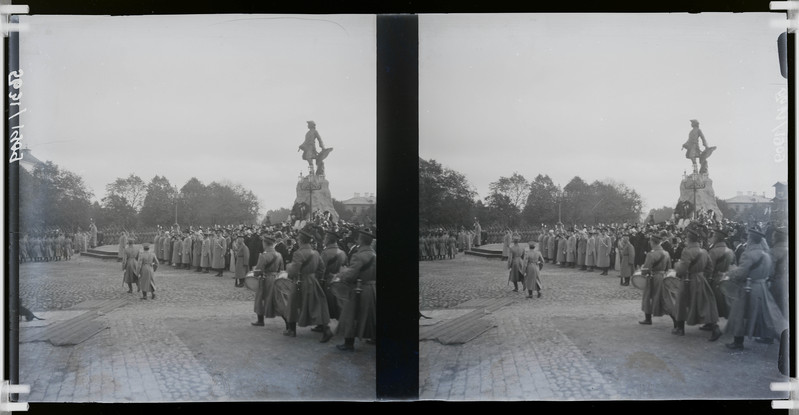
[
  {"x": 672, "y": 285},
  {"x": 338, "y": 293},
  {"x": 730, "y": 289},
  {"x": 251, "y": 281},
  {"x": 284, "y": 288},
  {"x": 639, "y": 281}
]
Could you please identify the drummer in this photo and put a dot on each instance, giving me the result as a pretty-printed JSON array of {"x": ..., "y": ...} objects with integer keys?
[
  {"x": 695, "y": 300},
  {"x": 270, "y": 263},
  {"x": 721, "y": 257},
  {"x": 754, "y": 313},
  {"x": 359, "y": 315},
  {"x": 656, "y": 299}
]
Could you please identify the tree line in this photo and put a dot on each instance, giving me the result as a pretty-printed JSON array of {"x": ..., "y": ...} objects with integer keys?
[
  {"x": 51, "y": 197},
  {"x": 446, "y": 198}
]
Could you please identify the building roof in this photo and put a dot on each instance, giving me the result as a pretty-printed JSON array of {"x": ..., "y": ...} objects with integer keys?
[
  {"x": 28, "y": 159},
  {"x": 360, "y": 200},
  {"x": 750, "y": 199}
]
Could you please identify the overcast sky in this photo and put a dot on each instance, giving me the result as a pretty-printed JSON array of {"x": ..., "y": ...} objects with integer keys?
[
  {"x": 216, "y": 97},
  {"x": 603, "y": 96}
]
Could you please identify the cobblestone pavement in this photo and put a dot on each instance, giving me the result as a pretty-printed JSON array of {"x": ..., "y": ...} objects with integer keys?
[
  {"x": 580, "y": 341},
  {"x": 194, "y": 342}
]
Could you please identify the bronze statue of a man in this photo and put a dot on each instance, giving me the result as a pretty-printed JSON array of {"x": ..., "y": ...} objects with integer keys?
[
  {"x": 309, "y": 152},
  {"x": 692, "y": 146}
]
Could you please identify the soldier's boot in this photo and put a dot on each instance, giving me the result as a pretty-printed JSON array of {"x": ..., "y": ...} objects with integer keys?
[
  {"x": 716, "y": 333},
  {"x": 679, "y": 330},
  {"x": 206, "y": 271},
  {"x": 130, "y": 288},
  {"x": 706, "y": 327},
  {"x": 515, "y": 287},
  {"x": 260, "y": 321},
  {"x": 199, "y": 269},
  {"x": 539, "y": 293},
  {"x": 604, "y": 271},
  {"x": 529, "y": 293},
  {"x": 348, "y": 346},
  {"x": 647, "y": 319},
  {"x": 327, "y": 334},
  {"x": 318, "y": 328},
  {"x": 737, "y": 344},
  {"x": 143, "y": 296},
  {"x": 621, "y": 280},
  {"x": 626, "y": 281},
  {"x": 291, "y": 329},
  {"x": 673, "y": 321}
]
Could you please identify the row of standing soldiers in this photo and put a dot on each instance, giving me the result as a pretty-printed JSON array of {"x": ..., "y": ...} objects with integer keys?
[{"x": 52, "y": 246}]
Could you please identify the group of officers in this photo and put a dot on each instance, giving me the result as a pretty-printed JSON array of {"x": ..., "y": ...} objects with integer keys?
[
  {"x": 443, "y": 244},
  {"x": 306, "y": 284},
  {"x": 704, "y": 285}
]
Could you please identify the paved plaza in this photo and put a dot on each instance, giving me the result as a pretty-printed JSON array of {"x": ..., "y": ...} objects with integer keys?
[
  {"x": 580, "y": 341},
  {"x": 194, "y": 342}
]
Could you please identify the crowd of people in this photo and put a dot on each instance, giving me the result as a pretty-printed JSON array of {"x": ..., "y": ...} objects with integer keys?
[
  {"x": 696, "y": 271},
  {"x": 306, "y": 272}
]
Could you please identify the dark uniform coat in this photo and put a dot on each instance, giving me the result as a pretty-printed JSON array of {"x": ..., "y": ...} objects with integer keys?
[
  {"x": 242, "y": 260},
  {"x": 582, "y": 243},
  {"x": 218, "y": 246},
  {"x": 603, "y": 245},
  {"x": 147, "y": 264},
  {"x": 758, "y": 315},
  {"x": 656, "y": 299},
  {"x": 130, "y": 265},
  {"x": 515, "y": 263},
  {"x": 626, "y": 259},
  {"x": 359, "y": 314},
  {"x": 205, "y": 260},
  {"x": 696, "y": 303},
  {"x": 177, "y": 250},
  {"x": 196, "y": 251},
  {"x": 268, "y": 301},
  {"x": 532, "y": 275},
  {"x": 721, "y": 257},
  {"x": 307, "y": 304},
  {"x": 334, "y": 259}
]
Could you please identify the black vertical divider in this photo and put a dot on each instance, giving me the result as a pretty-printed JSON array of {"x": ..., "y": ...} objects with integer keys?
[{"x": 397, "y": 200}]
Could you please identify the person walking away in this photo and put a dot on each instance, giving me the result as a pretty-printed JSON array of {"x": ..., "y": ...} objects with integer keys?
[{"x": 148, "y": 264}]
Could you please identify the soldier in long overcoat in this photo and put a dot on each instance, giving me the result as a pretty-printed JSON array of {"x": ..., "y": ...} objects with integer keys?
[
  {"x": 334, "y": 259},
  {"x": 148, "y": 263},
  {"x": 696, "y": 303},
  {"x": 218, "y": 248},
  {"x": 656, "y": 300},
  {"x": 123, "y": 244},
  {"x": 205, "y": 259},
  {"x": 754, "y": 312},
  {"x": 515, "y": 264},
  {"x": 571, "y": 250},
  {"x": 721, "y": 257},
  {"x": 177, "y": 250},
  {"x": 590, "y": 251},
  {"x": 778, "y": 281},
  {"x": 561, "y": 247},
  {"x": 359, "y": 314},
  {"x": 532, "y": 271},
  {"x": 186, "y": 251},
  {"x": 130, "y": 266},
  {"x": 552, "y": 249},
  {"x": 197, "y": 251},
  {"x": 626, "y": 260},
  {"x": 582, "y": 246},
  {"x": 242, "y": 261},
  {"x": 603, "y": 248},
  {"x": 270, "y": 263},
  {"x": 307, "y": 302}
]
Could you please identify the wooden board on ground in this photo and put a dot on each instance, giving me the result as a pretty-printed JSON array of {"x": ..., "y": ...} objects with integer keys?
[{"x": 468, "y": 326}]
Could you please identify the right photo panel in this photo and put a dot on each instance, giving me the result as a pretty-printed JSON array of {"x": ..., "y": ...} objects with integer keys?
[{"x": 603, "y": 207}]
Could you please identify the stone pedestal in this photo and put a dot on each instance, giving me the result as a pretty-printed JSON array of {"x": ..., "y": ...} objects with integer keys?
[
  {"x": 314, "y": 191},
  {"x": 705, "y": 196}
]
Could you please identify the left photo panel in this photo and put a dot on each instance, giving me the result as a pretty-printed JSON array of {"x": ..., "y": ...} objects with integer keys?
[{"x": 197, "y": 208}]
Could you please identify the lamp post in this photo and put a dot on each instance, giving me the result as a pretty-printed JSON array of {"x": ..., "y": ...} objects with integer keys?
[{"x": 310, "y": 185}]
